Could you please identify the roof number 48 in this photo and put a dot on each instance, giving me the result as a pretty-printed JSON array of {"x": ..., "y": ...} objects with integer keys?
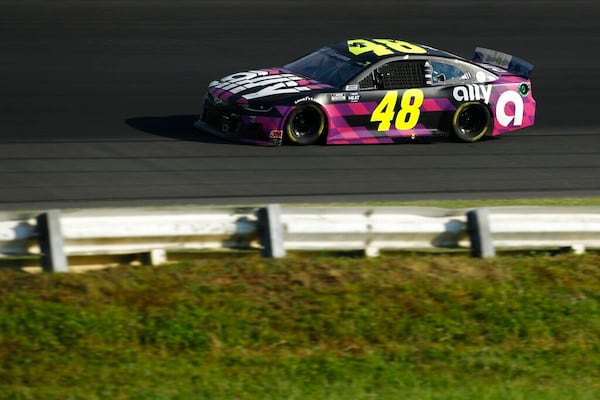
[
  {"x": 382, "y": 47},
  {"x": 408, "y": 115}
]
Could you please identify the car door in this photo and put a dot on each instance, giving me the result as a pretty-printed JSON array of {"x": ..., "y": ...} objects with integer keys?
[{"x": 398, "y": 95}]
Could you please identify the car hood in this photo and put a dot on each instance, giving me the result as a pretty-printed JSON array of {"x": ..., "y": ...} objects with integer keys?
[{"x": 262, "y": 84}]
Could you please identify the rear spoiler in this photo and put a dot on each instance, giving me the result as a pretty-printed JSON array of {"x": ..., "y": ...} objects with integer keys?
[{"x": 503, "y": 60}]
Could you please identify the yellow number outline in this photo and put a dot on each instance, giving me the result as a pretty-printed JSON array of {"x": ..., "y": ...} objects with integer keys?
[
  {"x": 384, "y": 112},
  {"x": 410, "y": 109},
  {"x": 402, "y": 46},
  {"x": 383, "y": 47},
  {"x": 407, "y": 116}
]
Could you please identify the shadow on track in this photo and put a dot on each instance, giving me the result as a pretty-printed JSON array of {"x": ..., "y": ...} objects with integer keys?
[{"x": 178, "y": 127}]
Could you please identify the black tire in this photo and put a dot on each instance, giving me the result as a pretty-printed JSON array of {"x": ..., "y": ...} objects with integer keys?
[
  {"x": 471, "y": 122},
  {"x": 306, "y": 124}
]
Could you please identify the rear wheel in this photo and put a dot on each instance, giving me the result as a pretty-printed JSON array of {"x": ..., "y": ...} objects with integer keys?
[
  {"x": 471, "y": 122},
  {"x": 306, "y": 124}
]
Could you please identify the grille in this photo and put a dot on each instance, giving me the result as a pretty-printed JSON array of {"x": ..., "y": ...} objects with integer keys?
[
  {"x": 224, "y": 122},
  {"x": 212, "y": 117}
]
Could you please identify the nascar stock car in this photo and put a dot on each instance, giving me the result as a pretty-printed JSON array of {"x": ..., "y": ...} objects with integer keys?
[{"x": 372, "y": 91}]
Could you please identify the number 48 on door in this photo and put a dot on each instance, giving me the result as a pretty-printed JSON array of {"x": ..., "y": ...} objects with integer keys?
[{"x": 407, "y": 116}]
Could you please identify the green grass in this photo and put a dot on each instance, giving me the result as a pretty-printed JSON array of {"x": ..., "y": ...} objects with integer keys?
[{"x": 396, "y": 327}]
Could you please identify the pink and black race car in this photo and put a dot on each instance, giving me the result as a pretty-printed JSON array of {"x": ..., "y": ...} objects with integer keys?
[{"x": 364, "y": 91}]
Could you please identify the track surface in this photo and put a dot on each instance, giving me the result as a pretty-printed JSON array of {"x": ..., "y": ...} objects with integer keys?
[{"x": 97, "y": 100}]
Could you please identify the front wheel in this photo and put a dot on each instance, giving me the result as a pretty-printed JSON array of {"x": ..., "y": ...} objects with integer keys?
[
  {"x": 471, "y": 122},
  {"x": 306, "y": 124}
]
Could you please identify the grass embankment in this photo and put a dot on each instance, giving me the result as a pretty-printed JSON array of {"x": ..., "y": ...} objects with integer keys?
[{"x": 426, "y": 327}]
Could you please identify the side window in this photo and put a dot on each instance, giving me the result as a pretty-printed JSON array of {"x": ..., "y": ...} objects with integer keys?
[
  {"x": 396, "y": 75},
  {"x": 443, "y": 72}
]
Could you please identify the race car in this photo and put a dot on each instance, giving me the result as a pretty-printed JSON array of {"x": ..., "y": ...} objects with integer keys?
[{"x": 368, "y": 91}]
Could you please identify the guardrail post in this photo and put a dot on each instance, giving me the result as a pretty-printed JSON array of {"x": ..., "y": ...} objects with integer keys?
[
  {"x": 270, "y": 231},
  {"x": 158, "y": 257},
  {"x": 53, "y": 258},
  {"x": 478, "y": 226}
]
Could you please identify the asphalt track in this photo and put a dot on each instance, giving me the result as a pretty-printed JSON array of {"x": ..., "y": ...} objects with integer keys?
[{"x": 97, "y": 100}]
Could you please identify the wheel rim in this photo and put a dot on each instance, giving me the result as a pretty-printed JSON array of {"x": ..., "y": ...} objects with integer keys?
[
  {"x": 472, "y": 121},
  {"x": 306, "y": 125}
]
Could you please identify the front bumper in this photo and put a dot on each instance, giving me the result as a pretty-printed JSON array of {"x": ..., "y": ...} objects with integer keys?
[{"x": 236, "y": 124}]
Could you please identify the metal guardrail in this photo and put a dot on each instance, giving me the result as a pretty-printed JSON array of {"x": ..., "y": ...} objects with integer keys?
[
  {"x": 373, "y": 228},
  {"x": 55, "y": 236}
]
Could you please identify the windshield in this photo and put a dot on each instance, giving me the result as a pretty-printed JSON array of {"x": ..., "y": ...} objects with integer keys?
[{"x": 326, "y": 66}]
